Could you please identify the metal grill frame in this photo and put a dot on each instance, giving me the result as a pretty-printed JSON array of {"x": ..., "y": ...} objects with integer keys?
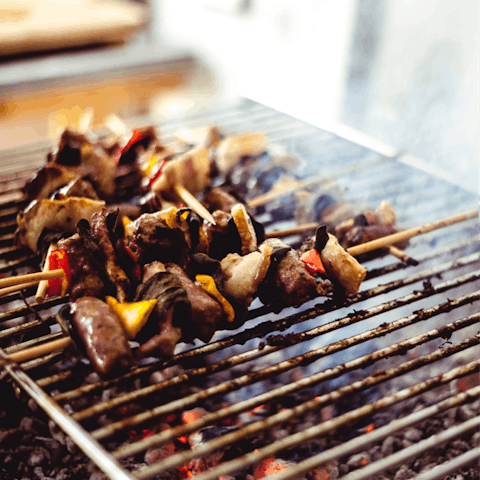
[{"x": 291, "y": 134}]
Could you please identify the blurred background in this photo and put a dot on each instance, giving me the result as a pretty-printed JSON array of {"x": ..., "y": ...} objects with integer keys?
[{"x": 399, "y": 76}]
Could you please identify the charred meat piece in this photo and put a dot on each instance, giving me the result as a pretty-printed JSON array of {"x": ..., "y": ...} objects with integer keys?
[
  {"x": 55, "y": 215},
  {"x": 153, "y": 239},
  {"x": 104, "y": 237},
  {"x": 341, "y": 267},
  {"x": 223, "y": 237},
  {"x": 76, "y": 149},
  {"x": 171, "y": 315},
  {"x": 87, "y": 278},
  {"x": 288, "y": 283},
  {"x": 207, "y": 313},
  {"x": 367, "y": 226},
  {"x": 102, "y": 335},
  {"x": 218, "y": 198}
]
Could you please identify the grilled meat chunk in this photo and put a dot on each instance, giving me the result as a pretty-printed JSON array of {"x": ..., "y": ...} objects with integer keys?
[
  {"x": 218, "y": 198},
  {"x": 56, "y": 215},
  {"x": 103, "y": 336},
  {"x": 153, "y": 239},
  {"x": 103, "y": 237},
  {"x": 288, "y": 283},
  {"x": 87, "y": 278},
  {"x": 170, "y": 317},
  {"x": 207, "y": 313}
]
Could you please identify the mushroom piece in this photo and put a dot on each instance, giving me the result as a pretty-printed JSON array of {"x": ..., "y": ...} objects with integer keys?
[{"x": 56, "y": 215}]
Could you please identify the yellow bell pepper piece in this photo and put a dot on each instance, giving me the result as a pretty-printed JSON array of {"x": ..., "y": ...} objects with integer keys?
[
  {"x": 208, "y": 283},
  {"x": 133, "y": 315},
  {"x": 128, "y": 226},
  {"x": 148, "y": 167}
]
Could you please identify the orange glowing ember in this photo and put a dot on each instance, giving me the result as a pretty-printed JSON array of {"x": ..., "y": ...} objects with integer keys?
[
  {"x": 268, "y": 467},
  {"x": 320, "y": 473},
  {"x": 192, "y": 415},
  {"x": 183, "y": 439},
  {"x": 255, "y": 410},
  {"x": 370, "y": 428}
]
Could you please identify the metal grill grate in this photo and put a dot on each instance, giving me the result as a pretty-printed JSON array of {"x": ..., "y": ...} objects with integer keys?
[{"x": 368, "y": 353}]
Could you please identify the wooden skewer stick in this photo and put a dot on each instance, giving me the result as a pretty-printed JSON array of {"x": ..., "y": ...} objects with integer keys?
[
  {"x": 15, "y": 288},
  {"x": 43, "y": 285},
  {"x": 386, "y": 241},
  {"x": 31, "y": 278},
  {"x": 401, "y": 255},
  {"x": 412, "y": 232},
  {"x": 193, "y": 203},
  {"x": 37, "y": 351}
]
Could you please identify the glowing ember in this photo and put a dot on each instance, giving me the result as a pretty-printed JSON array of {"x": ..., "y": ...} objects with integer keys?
[
  {"x": 320, "y": 473},
  {"x": 370, "y": 428},
  {"x": 192, "y": 415},
  {"x": 255, "y": 410},
  {"x": 268, "y": 467},
  {"x": 183, "y": 439},
  {"x": 171, "y": 418}
]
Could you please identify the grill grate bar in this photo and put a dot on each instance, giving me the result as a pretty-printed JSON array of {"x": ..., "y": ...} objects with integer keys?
[
  {"x": 268, "y": 372},
  {"x": 440, "y": 471},
  {"x": 312, "y": 380},
  {"x": 381, "y": 433},
  {"x": 317, "y": 430},
  {"x": 416, "y": 450},
  {"x": 340, "y": 323}
]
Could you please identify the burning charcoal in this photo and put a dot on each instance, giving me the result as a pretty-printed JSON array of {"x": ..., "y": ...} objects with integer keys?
[
  {"x": 465, "y": 413},
  {"x": 39, "y": 456},
  {"x": 475, "y": 441},
  {"x": 322, "y": 473},
  {"x": 271, "y": 466},
  {"x": 413, "y": 434},
  {"x": 157, "y": 454},
  {"x": 404, "y": 473},
  {"x": 209, "y": 433},
  {"x": 387, "y": 446},
  {"x": 359, "y": 460}
]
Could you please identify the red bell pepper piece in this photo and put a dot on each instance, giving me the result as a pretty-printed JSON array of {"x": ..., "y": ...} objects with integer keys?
[
  {"x": 312, "y": 261},
  {"x": 157, "y": 173},
  {"x": 58, "y": 286},
  {"x": 137, "y": 135}
]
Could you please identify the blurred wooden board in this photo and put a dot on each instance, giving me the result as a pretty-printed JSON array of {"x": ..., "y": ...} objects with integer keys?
[{"x": 48, "y": 25}]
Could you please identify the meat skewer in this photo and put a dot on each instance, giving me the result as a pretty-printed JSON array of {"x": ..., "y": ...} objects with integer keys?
[{"x": 42, "y": 286}]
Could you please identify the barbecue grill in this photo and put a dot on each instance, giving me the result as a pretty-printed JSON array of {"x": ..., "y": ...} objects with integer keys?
[{"x": 316, "y": 388}]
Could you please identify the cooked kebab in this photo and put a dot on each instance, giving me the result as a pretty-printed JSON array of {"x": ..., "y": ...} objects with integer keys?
[
  {"x": 367, "y": 226},
  {"x": 203, "y": 277}
]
